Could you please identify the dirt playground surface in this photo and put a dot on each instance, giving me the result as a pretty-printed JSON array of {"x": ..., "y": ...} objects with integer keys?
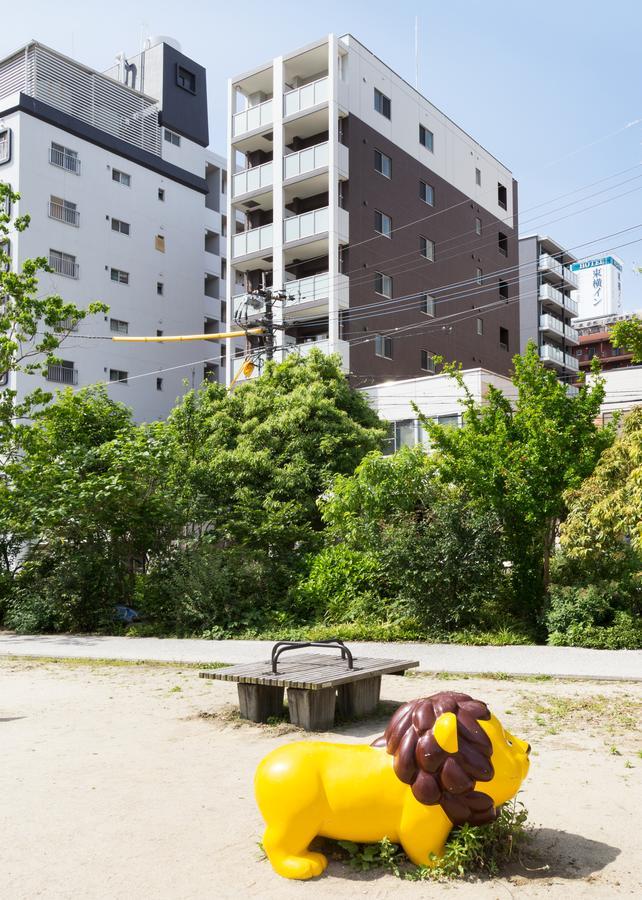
[{"x": 131, "y": 781}]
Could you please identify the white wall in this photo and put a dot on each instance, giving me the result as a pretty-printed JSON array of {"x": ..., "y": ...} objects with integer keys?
[{"x": 623, "y": 389}]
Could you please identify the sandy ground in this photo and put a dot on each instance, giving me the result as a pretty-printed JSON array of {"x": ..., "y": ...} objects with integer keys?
[{"x": 131, "y": 782}]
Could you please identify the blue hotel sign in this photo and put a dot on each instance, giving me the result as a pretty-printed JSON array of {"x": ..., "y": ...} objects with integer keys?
[{"x": 592, "y": 263}]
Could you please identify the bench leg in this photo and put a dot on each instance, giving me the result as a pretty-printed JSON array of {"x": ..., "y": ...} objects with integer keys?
[
  {"x": 259, "y": 702},
  {"x": 312, "y": 710},
  {"x": 359, "y": 698}
]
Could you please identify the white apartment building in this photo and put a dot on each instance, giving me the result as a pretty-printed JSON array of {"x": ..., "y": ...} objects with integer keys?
[
  {"x": 547, "y": 306},
  {"x": 333, "y": 156},
  {"x": 126, "y": 203}
]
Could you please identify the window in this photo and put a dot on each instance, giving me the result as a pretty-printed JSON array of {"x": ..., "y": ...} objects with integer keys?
[
  {"x": 121, "y": 177},
  {"x": 119, "y": 326},
  {"x": 382, "y": 164},
  {"x": 161, "y": 194},
  {"x": 5, "y": 258},
  {"x": 503, "y": 338},
  {"x": 5, "y": 145},
  {"x": 171, "y": 137},
  {"x": 383, "y": 284},
  {"x": 427, "y": 305},
  {"x": 478, "y": 225},
  {"x": 159, "y": 243},
  {"x": 5, "y": 206},
  {"x": 502, "y": 196},
  {"x": 428, "y": 361},
  {"x": 382, "y": 103},
  {"x": 160, "y": 287},
  {"x": 63, "y": 372},
  {"x": 502, "y": 243},
  {"x": 118, "y": 375},
  {"x": 427, "y": 248},
  {"x": 159, "y": 332},
  {"x": 427, "y": 193},
  {"x": 405, "y": 433},
  {"x": 426, "y": 138},
  {"x": 503, "y": 290},
  {"x": 63, "y": 210},
  {"x": 64, "y": 158},
  {"x": 186, "y": 79},
  {"x": 63, "y": 263},
  {"x": 119, "y": 226},
  {"x": 119, "y": 276},
  {"x": 480, "y": 326},
  {"x": 479, "y": 275},
  {"x": 383, "y": 223},
  {"x": 159, "y": 384},
  {"x": 452, "y": 421},
  {"x": 478, "y": 177},
  {"x": 383, "y": 346}
]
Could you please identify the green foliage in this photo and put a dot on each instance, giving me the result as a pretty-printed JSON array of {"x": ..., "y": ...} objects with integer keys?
[
  {"x": 471, "y": 851},
  {"x": 628, "y": 335},
  {"x": 343, "y": 586},
  {"x": 519, "y": 458}
]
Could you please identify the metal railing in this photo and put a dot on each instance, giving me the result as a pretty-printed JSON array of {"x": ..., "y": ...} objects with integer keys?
[
  {"x": 252, "y": 179},
  {"x": 552, "y": 324},
  {"x": 62, "y": 266},
  {"x": 314, "y": 287},
  {"x": 546, "y": 261},
  {"x": 306, "y": 96},
  {"x": 572, "y": 334},
  {"x": 62, "y": 374},
  {"x": 306, "y": 160},
  {"x": 253, "y": 117},
  {"x": 253, "y": 240},
  {"x": 306, "y": 225},
  {"x": 67, "y": 325},
  {"x": 64, "y": 160},
  {"x": 64, "y": 213}
]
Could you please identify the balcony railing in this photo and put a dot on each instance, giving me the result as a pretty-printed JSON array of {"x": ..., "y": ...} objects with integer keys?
[
  {"x": 305, "y": 97},
  {"x": 548, "y": 292},
  {"x": 62, "y": 374},
  {"x": 67, "y": 267},
  {"x": 340, "y": 347},
  {"x": 67, "y": 325},
  {"x": 549, "y": 353},
  {"x": 571, "y": 334},
  {"x": 305, "y": 160},
  {"x": 306, "y": 225},
  {"x": 550, "y": 323},
  {"x": 314, "y": 287},
  {"x": 64, "y": 213},
  {"x": 550, "y": 264},
  {"x": 252, "y": 179},
  {"x": 252, "y": 241},
  {"x": 253, "y": 117},
  {"x": 64, "y": 160}
]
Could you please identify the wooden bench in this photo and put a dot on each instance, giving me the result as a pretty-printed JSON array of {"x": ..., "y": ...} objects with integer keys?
[{"x": 318, "y": 685}]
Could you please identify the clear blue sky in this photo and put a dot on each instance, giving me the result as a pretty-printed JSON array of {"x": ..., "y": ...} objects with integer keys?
[{"x": 547, "y": 87}]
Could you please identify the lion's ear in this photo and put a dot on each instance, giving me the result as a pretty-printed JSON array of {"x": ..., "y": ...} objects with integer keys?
[{"x": 445, "y": 732}]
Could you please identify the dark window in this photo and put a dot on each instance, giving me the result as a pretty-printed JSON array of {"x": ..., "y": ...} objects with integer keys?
[
  {"x": 426, "y": 138},
  {"x": 159, "y": 384},
  {"x": 120, "y": 226},
  {"x": 382, "y": 103},
  {"x": 427, "y": 193},
  {"x": 478, "y": 225},
  {"x": 118, "y": 375},
  {"x": 119, "y": 276},
  {"x": 503, "y": 338},
  {"x": 171, "y": 137},
  {"x": 427, "y": 248},
  {"x": 5, "y": 145},
  {"x": 427, "y": 361},
  {"x": 383, "y": 163},
  {"x": 383, "y": 223},
  {"x": 479, "y": 276},
  {"x": 503, "y": 290},
  {"x": 119, "y": 326},
  {"x": 121, "y": 177},
  {"x": 502, "y": 197},
  {"x": 478, "y": 177},
  {"x": 383, "y": 284},
  {"x": 383, "y": 346},
  {"x": 480, "y": 326},
  {"x": 427, "y": 305},
  {"x": 161, "y": 193},
  {"x": 160, "y": 288},
  {"x": 502, "y": 243},
  {"x": 186, "y": 79}
]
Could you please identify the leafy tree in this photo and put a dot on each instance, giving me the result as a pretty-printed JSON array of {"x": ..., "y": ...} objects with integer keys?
[
  {"x": 519, "y": 458},
  {"x": 627, "y": 334}
]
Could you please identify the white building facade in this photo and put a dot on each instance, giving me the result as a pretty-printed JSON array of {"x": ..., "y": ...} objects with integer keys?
[
  {"x": 599, "y": 286},
  {"x": 125, "y": 203}
]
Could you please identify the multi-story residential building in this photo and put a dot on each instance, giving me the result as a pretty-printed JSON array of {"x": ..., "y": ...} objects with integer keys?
[
  {"x": 390, "y": 231},
  {"x": 125, "y": 202},
  {"x": 595, "y": 340},
  {"x": 546, "y": 305}
]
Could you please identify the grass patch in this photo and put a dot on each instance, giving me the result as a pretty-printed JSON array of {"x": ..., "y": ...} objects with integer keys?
[
  {"x": 472, "y": 851},
  {"x": 385, "y": 632},
  {"x": 619, "y": 712},
  {"x": 113, "y": 663}
]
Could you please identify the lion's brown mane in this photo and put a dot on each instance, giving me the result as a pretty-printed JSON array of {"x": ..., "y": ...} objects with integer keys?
[{"x": 436, "y": 776}]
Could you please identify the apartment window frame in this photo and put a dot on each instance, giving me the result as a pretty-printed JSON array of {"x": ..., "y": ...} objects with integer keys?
[
  {"x": 426, "y": 192},
  {"x": 503, "y": 290},
  {"x": 478, "y": 226},
  {"x": 171, "y": 137},
  {"x": 502, "y": 195},
  {"x": 160, "y": 288},
  {"x": 426, "y": 138},
  {"x": 427, "y": 248},
  {"x": 427, "y": 362},
  {"x": 185, "y": 79},
  {"x": 159, "y": 243},
  {"x": 382, "y": 104},
  {"x": 427, "y": 305},
  {"x": 478, "y": 177},
  {"x": 119, "y": 326},
  {"x": 120, "y": 227},
  {"x": 383, "y": 346},
  {"x": 479, "y": 275},
  {"x": 381, "y": 280},
  {"x": 121, "y": 177},
  {"x": 381, "y": 219},
  {"x": 66, "y": 260},
  {"x": 69, "y": 214},
  {"x": 161, "y": 194},
  {"x": 118, "y": 276},
  {"x": 504, "y": 338},
  {"x": 479, "y": 325},
  {"x": 6, "y": 141},
  {"x": 502, "y": 243},
  {"x": 159, "y": 384},
  {"x": 64, "y": 158},
  {"x": 384, "y": 159},
  {"x": 118, "y": 376}
]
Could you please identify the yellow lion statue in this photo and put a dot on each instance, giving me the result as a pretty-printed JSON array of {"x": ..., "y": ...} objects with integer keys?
[{"x": 442, "y": 761}]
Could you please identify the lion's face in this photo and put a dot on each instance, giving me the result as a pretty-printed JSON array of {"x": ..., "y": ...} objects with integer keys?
[{"x": 509, "y": 760}]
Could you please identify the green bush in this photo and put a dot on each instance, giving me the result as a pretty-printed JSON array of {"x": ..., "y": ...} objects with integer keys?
[
  {"x": 343, "y": 586},
  {"x": 604, "y": 615}
]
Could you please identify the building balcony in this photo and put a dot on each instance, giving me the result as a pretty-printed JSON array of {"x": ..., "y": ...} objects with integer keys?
[
  {"x": 306, "y": 298},
  {"x": 552, "y": 267},
  {"x": 306, "y": 161},
  {"x": 307, "y": 225},
  {"x": 63, "y": 160},
  {"x": 554, "y": 298},
  {"x": 253, "y": 118},
  {"x": 325, "y": 346},
  {"x": 549, "y": 324},
  {"x": 306, "y": 97},
  {"x": 63, "y": 213},
  {"x": 255, "y": 240},
  {"x": 64, "y": 374},
  {"x": 557, "y": 358},
  {"x": 571, "y": 334},
  {"x": 249, "y": 181},
  {"x": 64, "y": 266}
]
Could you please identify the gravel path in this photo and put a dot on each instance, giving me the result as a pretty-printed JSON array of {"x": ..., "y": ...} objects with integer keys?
[{"x": 456, "y": 658}]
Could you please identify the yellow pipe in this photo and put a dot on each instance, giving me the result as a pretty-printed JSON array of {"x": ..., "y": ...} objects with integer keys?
[{"x": 188, "y": 337}]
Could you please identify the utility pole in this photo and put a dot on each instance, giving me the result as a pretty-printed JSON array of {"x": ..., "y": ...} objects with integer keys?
[{"x": 269, "y": 325}]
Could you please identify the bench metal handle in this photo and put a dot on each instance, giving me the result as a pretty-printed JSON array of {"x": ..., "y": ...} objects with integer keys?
[{"x": 333, "y": 643}]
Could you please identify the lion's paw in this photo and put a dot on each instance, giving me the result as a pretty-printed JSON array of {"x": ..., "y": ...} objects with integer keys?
[{"x": 309, "y": 865}]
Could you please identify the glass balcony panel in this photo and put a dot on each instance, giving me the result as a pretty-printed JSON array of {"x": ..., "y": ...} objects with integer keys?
[
  {"x": 253, "y": 117},
  {"x": 305, "y": 97},
  {"x": 251, "y": 241}
]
